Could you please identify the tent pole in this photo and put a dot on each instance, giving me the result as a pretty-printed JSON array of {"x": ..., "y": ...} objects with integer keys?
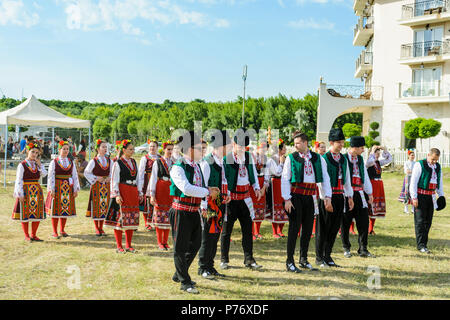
[
  {"x": 6, "y": 153},
  {"x": 89, "y": 144}
]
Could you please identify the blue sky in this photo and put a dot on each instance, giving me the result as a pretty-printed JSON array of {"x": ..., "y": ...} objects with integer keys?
[{"x": 145, "y": 50}]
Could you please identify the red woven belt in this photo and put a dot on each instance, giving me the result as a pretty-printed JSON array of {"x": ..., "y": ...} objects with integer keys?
[
  {"x": 431, "y": 190},
  {"x": 306, "y": 189},
  {"x": 189, "y": 204},
  {"x": 241, "y": 192}
]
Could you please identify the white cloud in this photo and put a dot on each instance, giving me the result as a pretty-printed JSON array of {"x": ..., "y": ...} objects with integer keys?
[
  {"x": 114, "y": 14},
  {"x": 311, "y": 23},
  {"x": 14, "y": 12}
]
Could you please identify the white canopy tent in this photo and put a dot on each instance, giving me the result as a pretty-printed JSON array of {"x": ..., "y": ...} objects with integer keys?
[{"x": 32, "y": 112}]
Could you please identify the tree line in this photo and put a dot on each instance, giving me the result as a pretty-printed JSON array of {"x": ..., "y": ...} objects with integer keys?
[{"x": 140, "y": 121}]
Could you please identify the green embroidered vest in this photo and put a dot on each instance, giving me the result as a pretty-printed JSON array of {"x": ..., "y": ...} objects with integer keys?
[
  {"x": 189, "y": 172},
  {"x": 232, "y": 170},
  {"x": 215, "y": 176},
  {"x": 297, "y": 167},
  {"x": 425, "y": 177},
  {"x": 333, "y": 168},
  {"x": 360, "y": 164}
]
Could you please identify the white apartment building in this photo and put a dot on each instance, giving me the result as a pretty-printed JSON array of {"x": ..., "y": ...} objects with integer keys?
[{"x": 405, "y": 67}]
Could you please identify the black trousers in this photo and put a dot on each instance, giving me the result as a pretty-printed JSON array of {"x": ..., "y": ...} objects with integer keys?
[
  {"x": 208, "y": 247},
  {"x": 302, "y": 216},
  {"x": 237, "y": 210},
  {"x": 361, "y": 216},
  {"x": 327, "y": 227},
  {"x": 186, "y": 233},
  {"x": 423, "y": 217}
]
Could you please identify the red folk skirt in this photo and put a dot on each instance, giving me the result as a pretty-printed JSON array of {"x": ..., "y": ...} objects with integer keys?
[
  {"x": 98, "y": 201},
  {"x": 126, "y": 216},
  {"x": 259, "y": 205},
  {"x": 63, "y": 205},
  {"x": 33, "y": 208},
  {"x": 378, "y": 208},
  {"x": 279, "y": 215},
  {"x": 164, "y": 201}
]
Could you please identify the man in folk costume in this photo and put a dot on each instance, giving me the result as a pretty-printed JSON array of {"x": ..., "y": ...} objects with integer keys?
[
  {"x": 378, "y": 208},
  {"x": 98, "y": 173},
  {"x": 159, "y": 193},
  {"x": 188, "y": 189},
  {"x": 145, "y": 172},
  {"x": 361, "y": 187},
  {"x": 213, "y": 211},
  {"x": 426, "y": 181},
  {"x": 29, "y": 206},
  {"x": 123, "y": 211},
  {"x": 260, "y": 205},
  {"x": 302, "y": 170},
  {"x": 241, "y": 175},
  {"x": 63, "y": 187},
  {"x": 277, "y": 213},
  {"x": 328, "y": 223}
]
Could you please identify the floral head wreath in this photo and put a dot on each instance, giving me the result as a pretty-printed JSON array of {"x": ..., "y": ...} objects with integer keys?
[
  {"x": 117, "y": 146},
  {"x": 98, "y": 142},
  {"x": 32, "y": 145},
  {"x": 124, "y": 143},
  {"x": 280, "y": 142},
  {"x": 317, "y": 144},
  {"x": 167, "y": 143},
  {"x": 410, "y": 151},
  {"x": 152, "y": 140},
  {"x": 62, "y": 143}
]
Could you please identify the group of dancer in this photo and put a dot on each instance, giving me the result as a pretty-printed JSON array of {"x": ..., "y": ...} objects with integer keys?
[{"x": 199, "y": 197}]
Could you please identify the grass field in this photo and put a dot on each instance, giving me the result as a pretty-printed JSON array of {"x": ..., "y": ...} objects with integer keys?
[{"x": 47, "y": 270}]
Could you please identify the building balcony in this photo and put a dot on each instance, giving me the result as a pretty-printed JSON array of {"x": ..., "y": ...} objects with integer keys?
[
  {"x": 425, "y": 52},
  {"x": 425, "y": 12},
  {"x": 363, "y": 64},
  {"x": 423, "y": 92},
  {"x": 358, "y": 6},
  {"x": 363, "y": 31}
]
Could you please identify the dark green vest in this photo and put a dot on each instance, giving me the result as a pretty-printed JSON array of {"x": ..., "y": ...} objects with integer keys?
[
  {"x": 232, "y": 170},
  {"x": 333, "y": 168},
  {"x": 360, "y": 164},
  {"x": 189, "y": 172},
  {"x": 297, "y": 167},
  {"x": 425, "y": 177},
  {"x": 215, "y": 175}
]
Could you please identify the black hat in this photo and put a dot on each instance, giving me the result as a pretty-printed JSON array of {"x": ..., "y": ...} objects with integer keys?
[
  {"x": 188, "y": 139},
  {"x": 336, "y": 135},
  {"x": 441, "y": 203},
  {"x": 220, "y": 139},
  {"x": 357, "y": 141},
  {"x": 241, "y": 137}
]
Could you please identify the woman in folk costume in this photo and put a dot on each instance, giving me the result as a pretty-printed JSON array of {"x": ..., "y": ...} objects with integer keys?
[
  {"x": 260, "y": 159},
  {"x": 374, "y": 164},
  {"x": 28, "y": 192},
  {"x": 98, "y": 173},
  {"x": 407, "y": 168},
  {"x": 278, "y": 215},
  {"x": 159, "y": 193},
  {"x": 63, "y": 187},
  {"x": 123, "y": 211},
  {"x": 145, "y": 172},
  {"x": 117, "y": 149}
]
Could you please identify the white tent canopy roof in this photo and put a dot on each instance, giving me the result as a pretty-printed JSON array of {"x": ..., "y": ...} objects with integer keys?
[{"x": 32, "y": 112}]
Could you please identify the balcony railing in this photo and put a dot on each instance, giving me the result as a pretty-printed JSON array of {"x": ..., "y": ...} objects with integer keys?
[
  {"x": 424, "y": 8},
  {"x": 423, "y": 89},
  {"x": 356, "y": 92},
  {"x": 364, "y": 23},
  {"x": 425, "y": 49},
  {"x": 364, "y": 59}
]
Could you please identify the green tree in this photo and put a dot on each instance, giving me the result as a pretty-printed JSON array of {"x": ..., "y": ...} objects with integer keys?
[
  {"x": 351, "y": 129},
  {"x": 102, "y": 128}
]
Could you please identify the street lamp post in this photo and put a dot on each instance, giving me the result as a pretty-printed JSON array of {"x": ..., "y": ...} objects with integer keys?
[{"x": 244, "y": 77}]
